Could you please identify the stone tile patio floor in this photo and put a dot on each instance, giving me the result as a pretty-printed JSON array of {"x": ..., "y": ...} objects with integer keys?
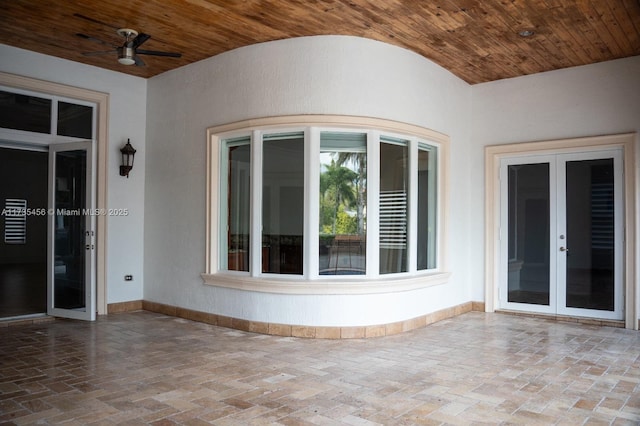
[{"x": 474, "y": 369}]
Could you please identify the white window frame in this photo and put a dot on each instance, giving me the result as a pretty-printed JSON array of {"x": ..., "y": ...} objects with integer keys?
[
  {"x": 310, "y": 282},
  {"x": 44, "y": 139}
]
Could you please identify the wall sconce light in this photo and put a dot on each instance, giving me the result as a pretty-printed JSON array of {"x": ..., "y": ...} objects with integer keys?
[{"x": 128, "y": 153}]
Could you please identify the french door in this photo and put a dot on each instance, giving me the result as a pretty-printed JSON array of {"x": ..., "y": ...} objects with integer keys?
[
  {"x": 561, "y": 234},
  {"x": 71, "y": 240}
]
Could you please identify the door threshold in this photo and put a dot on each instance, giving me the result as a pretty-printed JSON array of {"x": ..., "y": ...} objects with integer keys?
[
  {"x": 565, "y": 318},
  {"x": 25, "y": 320}
]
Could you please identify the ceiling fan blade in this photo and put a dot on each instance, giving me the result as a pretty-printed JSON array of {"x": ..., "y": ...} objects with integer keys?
[
  {"x": 139, "y": 62},
  {"x": 141, "y": 38},
  {"x": 156, "y": 53},
  {"x": 103, "y": 52},
  {"x": 97, "y": 40}
]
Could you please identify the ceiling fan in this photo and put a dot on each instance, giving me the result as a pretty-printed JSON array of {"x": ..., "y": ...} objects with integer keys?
[{"x": 129, "y": 51}]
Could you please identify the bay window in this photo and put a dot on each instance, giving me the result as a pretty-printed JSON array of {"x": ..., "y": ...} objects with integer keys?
[{"x": 324, "y": 203}]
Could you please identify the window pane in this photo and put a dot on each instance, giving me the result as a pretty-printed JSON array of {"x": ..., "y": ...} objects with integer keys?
[
  {"x": 343, "y": 199},
  {"x": 427, "y": 195},
  {"x": 283, "y": 203},
  {"x": 75, "y": 120},
  {"x": 238, "y": 204},
  {"x": 394, "y": 185},
  {"x": 24, "y": 112}
]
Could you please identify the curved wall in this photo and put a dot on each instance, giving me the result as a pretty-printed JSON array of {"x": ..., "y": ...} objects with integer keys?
[{"x": 310, "y": 75}]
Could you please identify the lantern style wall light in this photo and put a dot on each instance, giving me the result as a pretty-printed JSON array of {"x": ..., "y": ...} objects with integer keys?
[{"x": 128, "y": 153}]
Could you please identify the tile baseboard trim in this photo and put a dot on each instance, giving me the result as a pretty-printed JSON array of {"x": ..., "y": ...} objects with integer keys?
[
  {"x": 27, "y": 320},
  {"x": 564, "y": 318},
  {"x": 313, "y": 332},
  {"x": 131, "y": 306}
]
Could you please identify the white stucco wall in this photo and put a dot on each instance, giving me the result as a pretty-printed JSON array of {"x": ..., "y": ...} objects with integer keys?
[
  {"x": 311, "y": 75},
  {"x": 127, "y": 118},
  {"x": 598, "y": 99},
  {"x": 162, "y": 243}
]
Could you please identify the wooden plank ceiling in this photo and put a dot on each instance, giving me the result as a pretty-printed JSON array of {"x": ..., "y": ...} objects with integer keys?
[{"x": 477, "y": 40}]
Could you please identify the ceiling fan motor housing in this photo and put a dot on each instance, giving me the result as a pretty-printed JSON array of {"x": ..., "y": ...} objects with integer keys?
[{"x": 125, "y": 55}]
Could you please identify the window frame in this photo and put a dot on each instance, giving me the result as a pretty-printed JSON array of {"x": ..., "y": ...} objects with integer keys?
[
  {"x": 51, "y": 137},
  {"x": 311, "y": 282}
]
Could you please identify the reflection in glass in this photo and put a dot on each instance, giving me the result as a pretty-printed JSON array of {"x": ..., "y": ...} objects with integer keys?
[
  {"x": 238, "y": 202},
  {"x": 343, "y": 199},
  {"x": 394, "y": 187},
  {"x": 69, "y": 227},
  {"x": 75, "y": 120},
  {"x": 528, "y": 236},
  {"x": 24, "y": 112},
  {"x": 427, "y": 196},
  {"x": 590, "y": 234},
  {"x": 23, "y": 279},
  {"x": 283, "y": 203}
]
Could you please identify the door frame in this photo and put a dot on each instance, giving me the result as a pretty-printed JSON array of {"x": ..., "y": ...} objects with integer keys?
[
  {"x": 101, "y": 100},
  {"x": 493, "y": 231}
]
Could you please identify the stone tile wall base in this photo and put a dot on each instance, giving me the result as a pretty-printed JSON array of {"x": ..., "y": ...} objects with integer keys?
[
  {"x": 564, "y": 318},
  {"x": 316, "y": 332},
  {"x": 134, "y": 305},
  {"x": 304, "y": 331},
  {"x": 25, "y": 321}
]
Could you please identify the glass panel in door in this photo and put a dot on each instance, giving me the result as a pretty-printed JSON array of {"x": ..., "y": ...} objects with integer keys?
[
  {"x": 529, "y": 276},
  {"x": 71, "y": 232},
  {"x": 590, "y": 225}
]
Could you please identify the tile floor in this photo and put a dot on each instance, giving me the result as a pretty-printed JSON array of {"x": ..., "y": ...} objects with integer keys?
[{"x": 474, "y": 369}]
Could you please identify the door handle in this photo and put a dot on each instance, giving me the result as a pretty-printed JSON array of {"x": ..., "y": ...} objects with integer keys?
[{"x": 564, "y": 249}]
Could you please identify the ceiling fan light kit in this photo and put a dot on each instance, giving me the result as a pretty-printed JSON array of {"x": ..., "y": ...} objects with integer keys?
[{"x": 125, "y": 56}]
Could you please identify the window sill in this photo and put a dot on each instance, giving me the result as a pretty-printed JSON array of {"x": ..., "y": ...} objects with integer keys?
[{"x": 325, "y": 287}]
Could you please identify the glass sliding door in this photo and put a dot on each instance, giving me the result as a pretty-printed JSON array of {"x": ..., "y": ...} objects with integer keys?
[
  {"x": 562, "y": 246},
  {"x": 71, "y": 253}
]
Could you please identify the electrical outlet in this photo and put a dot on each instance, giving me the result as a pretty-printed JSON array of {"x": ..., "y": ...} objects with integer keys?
[{"x": 128, "y": 277}]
